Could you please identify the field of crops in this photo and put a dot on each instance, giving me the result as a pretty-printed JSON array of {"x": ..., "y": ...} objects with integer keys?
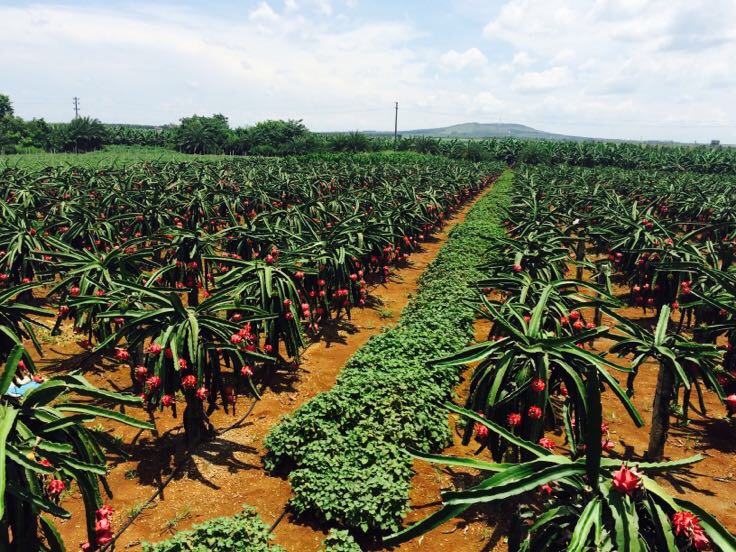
[
  {"x": 180, "y": 337},
  {"x": 198, "y": 279},
  {"x": 109, "y": 157},
  {"x": 606, "y": 360}
]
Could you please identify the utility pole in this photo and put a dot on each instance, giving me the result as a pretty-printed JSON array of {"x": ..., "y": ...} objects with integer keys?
[
  {"x": 76, "y": 107},
  {"x": 396, "y": 125}
]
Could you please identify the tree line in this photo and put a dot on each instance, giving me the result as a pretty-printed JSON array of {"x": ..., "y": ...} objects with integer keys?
[
  {"x": 196, "y": 134},
  {"x": 213, "y": 135}
]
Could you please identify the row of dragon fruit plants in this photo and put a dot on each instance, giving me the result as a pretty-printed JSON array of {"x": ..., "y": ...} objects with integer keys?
[
  {"x": 196, "y": 277},
  {"x": 582, "y": 246}
]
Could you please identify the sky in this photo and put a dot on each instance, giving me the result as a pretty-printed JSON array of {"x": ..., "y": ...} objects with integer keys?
[{"x": 631, "y": 69}]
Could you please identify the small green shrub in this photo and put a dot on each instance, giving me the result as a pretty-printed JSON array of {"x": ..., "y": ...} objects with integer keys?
[
  {"x": 344, "y": 449},
  {"x": 243, "y": 532},
  {"x": 357, "y": 480},
  {"x": 340, "y": 541}
]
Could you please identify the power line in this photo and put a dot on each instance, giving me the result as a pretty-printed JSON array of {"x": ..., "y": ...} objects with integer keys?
[{"x": 76, "y": 107}]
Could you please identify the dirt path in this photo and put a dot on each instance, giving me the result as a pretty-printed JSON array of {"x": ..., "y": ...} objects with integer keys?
[{"x": 227, "y": 472}]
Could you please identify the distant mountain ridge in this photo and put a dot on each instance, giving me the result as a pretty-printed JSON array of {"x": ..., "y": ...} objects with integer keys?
[{"x": 488, "y": 130}]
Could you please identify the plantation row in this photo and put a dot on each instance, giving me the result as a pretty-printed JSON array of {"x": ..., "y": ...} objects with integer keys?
[
  {"x": 540, "y": 372},
  {"x": 344, "y": 449},
  {"x": 195, "y": 277},
  {"x": 283, "y": 138}
]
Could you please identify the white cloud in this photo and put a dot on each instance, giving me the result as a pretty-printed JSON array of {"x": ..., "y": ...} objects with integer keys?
[
  {"x": 522, "y": 59},
  {"x": 619, "y": 68},
  {"x": 145, "y": 69},
  {"x": 324, "y": 7},
  {"x": 626, "y": 66},
  {"x": 563, "y": 57},
  {"x": 264, "y": 13},
  {"x": 456, "y": 61},
  {"x": 486, "y": 102},
  {"x": 539, "y": 81}
]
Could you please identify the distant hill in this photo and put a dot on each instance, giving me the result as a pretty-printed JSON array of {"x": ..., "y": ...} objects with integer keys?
[
  {"x": 467, "y": 131},
  {"x": 488, "y": 130}
]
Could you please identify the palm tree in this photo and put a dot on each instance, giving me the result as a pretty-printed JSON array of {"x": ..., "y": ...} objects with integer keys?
[{"x": 84, "y": 134}]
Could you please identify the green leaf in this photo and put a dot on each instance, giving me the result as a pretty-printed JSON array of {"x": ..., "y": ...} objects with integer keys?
[
  {"x": 539, "y": 310},
  {"x": 51, "y": 446},
  {"x": 521, "y": 478},
  {"x": 468, "y": 355},
  {"x": 626, "y": 524},
  {"x": 593, "y": 422},
  {"x": 104, "y": 413},
  {"x": 22, "y": 459},
  {"x": 44, "y": 393},
  {"x": 38, "y": 501},
  {"x": 671, "y": 362},
  {"x": 11, "y": 367},
  {"x": 534, "y": 448},
  {"x": 551, "y": 515},
  {"x": 53, "y": 537},
  {"x": 590, "y": 517},
  {"x": 193, "y": 334},
  {"x": 622, "y": 396},
  {"x": 6, "y": 424},
  {"x": 661, "y": 331},
  {"x": 655, "y": 466},
  {"x": 119, "y": 398},
  {"x": 427, "y": 524},
  {"x": 662, "y": 526},
  {"x": 459, "y": 462}
]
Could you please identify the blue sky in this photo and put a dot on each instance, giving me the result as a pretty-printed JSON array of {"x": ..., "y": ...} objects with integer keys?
[{"x": 606, "y": 68}]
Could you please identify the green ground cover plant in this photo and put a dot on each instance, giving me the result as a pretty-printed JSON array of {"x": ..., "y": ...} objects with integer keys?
[{"x": 344, "y": 450}]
